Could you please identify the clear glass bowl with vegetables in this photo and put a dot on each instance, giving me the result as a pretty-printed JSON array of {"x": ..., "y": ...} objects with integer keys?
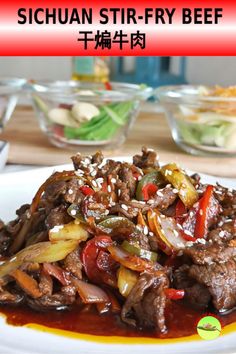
[
  {"x": 74, "y": 113},
  {"x": 9, "y": 93},
  {"x": 202, "y": 119}
]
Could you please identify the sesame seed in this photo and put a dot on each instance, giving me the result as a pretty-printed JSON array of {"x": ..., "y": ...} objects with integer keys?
[
  {"x": 70, "y": 191},
  {"x": 94, "y": 184},
  {"x": 191, "y": 214},
  {"x": 79, "y": 172},
  {"x": 150, "y": 201},
  {"x": 179, "y": 226},
  {"x": 73, "y": 212},
  {"x": 160, "y": 194},
  {"x": 220, "y": 223},
  {"x": 86, "y": 161},
  {"x": 139, "y": 228},
  {"x": 151, "y": 233},
  {"x": 145, "y": 230},
  {"x": 80, "y": 182},
  {"x": 118, "y": 192},
  {"x": 113, "y": 180},
  {"x": 222, "y": 233},
  {"x": 188, "y": 233},
  {"x": 189, "y": 244},
  {"x": 106, "y": 212},
  {"x": 201, "y": 212},
  {"x": 123, "y": 206},
  {"x": 228, "y": 220},
  {"x": 101, "y": 164},
  {"x": 175, "y": 191},
  {"x": 168, "y": 185},
  {"x": 109, "y": 189},
  {"x": 139, "y": 178},
  {"x": 218, "y": 192},
  {"x": 93, "y": 173},
  {"x": 201, "y": 240}
]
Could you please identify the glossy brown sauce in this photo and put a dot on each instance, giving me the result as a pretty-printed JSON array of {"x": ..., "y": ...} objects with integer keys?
[{"x": 181, "y": 321}]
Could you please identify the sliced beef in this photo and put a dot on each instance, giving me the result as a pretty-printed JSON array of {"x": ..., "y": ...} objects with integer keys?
[
  {"x": 128, "y": 211},
  {"x": 5, "y": 241},
  {"x": 209, "y": 253},
  {"x": 72, "y": 194},
  {"x": 45, "y": 283},
  {"x": 220, "y": 279},
  {"x": 147, "y": 159},
  {"x": 76, "y": 159},
  {"x": 58, "y": 301},
  {"x": 196, "y": 294},
  {"x": 146, "y": 302},
  {"x": 164, "y": 198},
  {"x": 73, "y": 264},
  {"x": 10, "y": 298},
  {"x": 58, "y": 216},
  {"x": 126, "y": 176},
  {"x": 222, "y": 234},
  {"x": 54, "y": 191}
]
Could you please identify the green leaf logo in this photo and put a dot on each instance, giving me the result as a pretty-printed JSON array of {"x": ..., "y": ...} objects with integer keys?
[{"x": 209, "y": 328}]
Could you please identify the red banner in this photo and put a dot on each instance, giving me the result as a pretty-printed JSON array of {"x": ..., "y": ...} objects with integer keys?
[{"x": 196, "y": 27}]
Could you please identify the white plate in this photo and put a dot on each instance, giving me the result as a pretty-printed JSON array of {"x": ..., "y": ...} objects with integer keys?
[{"x": 18, "y": 188}]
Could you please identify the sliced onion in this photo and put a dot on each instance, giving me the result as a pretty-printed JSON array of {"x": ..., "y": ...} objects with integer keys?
[
  {"x": 91, "y": 294},
  {"x": 129, "y": 261},
  {"x": 71, "y": 231},
  {"x": 165, "y": 229},
  {"x": 126, "y": 280},
  {"x": 57, "y": 273},
  {"x": 39, "y": 253}
]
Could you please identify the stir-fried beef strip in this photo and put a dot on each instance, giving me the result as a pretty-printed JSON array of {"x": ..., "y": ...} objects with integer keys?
[
  {"x": 148, "y": 233},
  {"x": 146, "y": 302}
]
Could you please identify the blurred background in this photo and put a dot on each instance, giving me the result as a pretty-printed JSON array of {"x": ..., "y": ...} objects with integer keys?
[{"x": 154, "y": 70}]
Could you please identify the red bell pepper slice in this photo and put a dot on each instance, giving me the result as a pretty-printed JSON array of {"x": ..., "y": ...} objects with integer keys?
[
  {"x": 149, "y": 190},
  {"x": 180, "y": 209},
  {"x": 89, "y": 258},
  {"x": 87, "y": 190},
  {"x": 174, "y": 294},
  {"x": 202, "y": 213}
]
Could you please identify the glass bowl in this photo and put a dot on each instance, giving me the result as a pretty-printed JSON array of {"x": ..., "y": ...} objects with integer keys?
[
  {"x": 9, "y": 92},
  {"x": 202, "y": 119},
  {"x": 74, "y": 113}
]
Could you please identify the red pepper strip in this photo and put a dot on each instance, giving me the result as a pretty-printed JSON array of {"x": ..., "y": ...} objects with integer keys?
[
  {"x": 149, "y": 190},
  {"x": 104, "y": 187},
  {"x": 108, "y": 86},
  {"x": 89, "y": 257},
  {"x": 87, "y": 190},
  {"x": 187, "y": 237},
  {"x": 57, "y": 176},
  {"x": 174, "y": 294},
  {"x": 201, "y": 216},
  {"x": 180, "y": 209}
]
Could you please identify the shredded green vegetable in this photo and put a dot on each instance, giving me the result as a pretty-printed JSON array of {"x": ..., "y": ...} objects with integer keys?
[{"x": 103, "y": 126}]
